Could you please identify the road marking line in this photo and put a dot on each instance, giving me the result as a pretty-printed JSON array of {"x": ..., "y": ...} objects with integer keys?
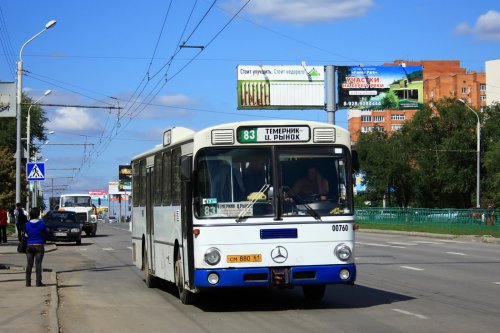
[
  {"x": 380, "y": 245},
  {"x": 402, "y": 243},
  {"x": 108, "y": 249},
  {"x": 129, "y": 247},
  {"x": 451, "y": 241},
  {"x": 410, "y": 313},
  {"x": 412, "y": 268},
  {"x": 427, "y": 242},
  {"x": 457, "y": 253},
  {"x": 496, "y": 282}
]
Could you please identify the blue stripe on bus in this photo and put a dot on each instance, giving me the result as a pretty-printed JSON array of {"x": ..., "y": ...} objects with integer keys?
[
  {"x": 260, "y": 277},
  {"x": 278, "y": 233}
]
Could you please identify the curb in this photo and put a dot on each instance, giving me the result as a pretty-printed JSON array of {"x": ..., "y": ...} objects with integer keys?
[
  {"x": 13, "y": 249},
  {"x": 54, "y": 305},
  {"x": 465, "y": 238}
]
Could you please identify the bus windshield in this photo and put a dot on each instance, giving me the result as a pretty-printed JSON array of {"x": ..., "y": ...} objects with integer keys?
[
  {"x": 76, "y": 201},
  {"x": 240, "y": 182}
]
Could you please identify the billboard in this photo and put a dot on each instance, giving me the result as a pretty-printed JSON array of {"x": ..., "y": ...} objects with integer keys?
[
  {"x": 125, "y": 177},
  {"x": 380, "y": 87},
  {"x": 281, "y": 87},
  {"x": 113, "y": 188},
  {"x": 7, "y": 99}
]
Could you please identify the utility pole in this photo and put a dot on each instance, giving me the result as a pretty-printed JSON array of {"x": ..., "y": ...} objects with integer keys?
[{"x": 330, "y": 93}]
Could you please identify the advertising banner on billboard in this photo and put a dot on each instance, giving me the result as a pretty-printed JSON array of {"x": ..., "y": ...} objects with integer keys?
[
  {"x": 380, "y": 87},
  {"x": 281, "y": 87},
  {"x": 7, "y": 99},
  {"x": 125, "y": 177},
  {"x": 99, "y": 194}
]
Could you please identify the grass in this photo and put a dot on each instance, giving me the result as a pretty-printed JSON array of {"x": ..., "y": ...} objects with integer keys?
[{"x": 437, "y": 229}]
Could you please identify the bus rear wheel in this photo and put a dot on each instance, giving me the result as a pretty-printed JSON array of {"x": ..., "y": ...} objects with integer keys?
[
  {"x": 185, "y": 296},
  {"x": 314, "y": 292}
]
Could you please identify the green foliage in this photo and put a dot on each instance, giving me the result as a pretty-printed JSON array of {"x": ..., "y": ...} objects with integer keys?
[
  {"x": 8, "y": 148},
  {"x": 390, "y": 101},
  {"x": 7, "y": 178},
  {"x": 431, "y": 162}
]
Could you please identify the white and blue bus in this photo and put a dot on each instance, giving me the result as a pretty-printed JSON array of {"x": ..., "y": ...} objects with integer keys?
[{"x": 250, "y": 204}]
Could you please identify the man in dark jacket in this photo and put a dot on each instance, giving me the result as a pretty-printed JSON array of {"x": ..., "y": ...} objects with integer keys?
[{"x": 21, "y": 220}]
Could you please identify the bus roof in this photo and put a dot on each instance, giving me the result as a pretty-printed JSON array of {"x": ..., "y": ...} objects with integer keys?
[{"x": 182, "y": 134}]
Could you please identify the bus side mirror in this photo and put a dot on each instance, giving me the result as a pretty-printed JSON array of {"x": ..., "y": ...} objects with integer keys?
[
  {"x": 186, "y": 168},
  {"x": 355, "y": 161}
]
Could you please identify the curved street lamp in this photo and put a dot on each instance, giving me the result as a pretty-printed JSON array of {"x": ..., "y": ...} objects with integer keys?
[
  {"x": 478, "y": 148},
  {"x": 28, "y": 138},
  {"x": 49, "y": 25}
]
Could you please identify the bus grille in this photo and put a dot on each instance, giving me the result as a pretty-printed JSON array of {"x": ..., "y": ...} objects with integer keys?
[
  {"x": 222, "y": 137},
  {"x": 324, "y": 135}
]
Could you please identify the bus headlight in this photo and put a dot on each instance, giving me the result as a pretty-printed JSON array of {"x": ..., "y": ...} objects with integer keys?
[
  {"x": 212, "y": 256},
  {"x": 343, "y": 252}
]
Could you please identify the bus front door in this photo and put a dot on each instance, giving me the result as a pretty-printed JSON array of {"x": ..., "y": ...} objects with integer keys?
[{"x": 150, "y": 230}]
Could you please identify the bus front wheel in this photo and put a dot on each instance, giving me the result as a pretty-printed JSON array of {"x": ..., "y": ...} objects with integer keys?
[
  {"x": 185, "y": 296},
  {"x": 314, "y": 292}
]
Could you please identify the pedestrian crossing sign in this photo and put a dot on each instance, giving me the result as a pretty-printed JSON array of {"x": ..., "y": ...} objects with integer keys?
[{"x": 35, "y": 171}]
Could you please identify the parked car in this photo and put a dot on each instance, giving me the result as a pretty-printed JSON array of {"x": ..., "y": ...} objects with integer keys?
[{"x": 63, "y": 226}]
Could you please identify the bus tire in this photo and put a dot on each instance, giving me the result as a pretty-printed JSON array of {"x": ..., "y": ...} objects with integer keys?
[
  {"x": 149, "y": 279},
  {"x": 185, "y": 296},
  {"x": 314, "y": 292}
]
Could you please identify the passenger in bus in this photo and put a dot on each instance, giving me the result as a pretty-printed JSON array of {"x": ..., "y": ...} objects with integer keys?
[
  {"x": 312, "y": 185},
  {"x": 254, "y": 176}
]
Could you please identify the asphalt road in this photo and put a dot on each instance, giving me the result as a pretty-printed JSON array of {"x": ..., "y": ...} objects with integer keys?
[{"x": 405, "y": 284}]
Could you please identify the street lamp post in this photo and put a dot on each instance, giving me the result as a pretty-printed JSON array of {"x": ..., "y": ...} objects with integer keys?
[
  {"x": 18, "y": 110},
  {"x": 28, "y": 138},
  {"x": 478, "y": 159}
]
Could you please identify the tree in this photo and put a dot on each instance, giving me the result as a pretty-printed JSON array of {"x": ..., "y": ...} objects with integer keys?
[
  {"x": 430, "y": 162},
  {"x": 7, "y": 177},
  {"x": 8, "y": 147},
  {"x": 490, "y": 139}
]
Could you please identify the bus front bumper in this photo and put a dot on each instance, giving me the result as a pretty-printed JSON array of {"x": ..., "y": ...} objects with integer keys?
[{"x": 275, "y": 276}]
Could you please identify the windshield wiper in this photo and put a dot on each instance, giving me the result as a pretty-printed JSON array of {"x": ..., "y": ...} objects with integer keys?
[{"x": 295, "y": 196}]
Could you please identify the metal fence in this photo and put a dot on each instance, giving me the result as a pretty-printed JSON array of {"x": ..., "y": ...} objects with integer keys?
[{"x": 424, "y": 216}]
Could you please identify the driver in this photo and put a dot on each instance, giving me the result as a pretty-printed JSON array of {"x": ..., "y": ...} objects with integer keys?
[{"x": 312, "y": 184}]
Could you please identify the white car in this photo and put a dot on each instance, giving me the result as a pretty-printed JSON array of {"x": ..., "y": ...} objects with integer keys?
[{"x": 112, "y": 219}]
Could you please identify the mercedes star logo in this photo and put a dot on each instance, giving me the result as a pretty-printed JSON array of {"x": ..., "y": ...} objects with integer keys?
[{"x": 279, "y": 254}]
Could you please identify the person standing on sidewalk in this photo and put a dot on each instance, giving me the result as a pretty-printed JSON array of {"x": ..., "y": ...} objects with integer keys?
[
  {"x": 3, "y": 225},
  {"x": 35, "y": 229},
  {"x": 21, "y": 220}
]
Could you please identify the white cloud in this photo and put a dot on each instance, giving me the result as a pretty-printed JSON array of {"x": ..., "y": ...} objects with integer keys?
[
  {"x": 74, "y": 119},
  {"x": 173, "y": 105},
  {"x": 308, "y": 11},
  {"x": 487, "y": 27}
]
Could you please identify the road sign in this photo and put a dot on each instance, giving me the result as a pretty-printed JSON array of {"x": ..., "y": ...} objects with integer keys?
[{"x": 35, "y": 171}]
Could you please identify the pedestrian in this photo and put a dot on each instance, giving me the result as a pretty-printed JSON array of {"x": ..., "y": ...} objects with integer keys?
[
  {"x": 35, "y": 230},
  {"x": 3, "y": 225},
  {"x": 21, "y": 220}
]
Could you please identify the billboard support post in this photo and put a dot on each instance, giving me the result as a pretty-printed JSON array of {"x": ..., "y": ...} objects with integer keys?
[{"x": 330, "y": 93}]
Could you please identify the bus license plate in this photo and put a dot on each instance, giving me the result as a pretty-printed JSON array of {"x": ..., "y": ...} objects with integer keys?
[{"x": 244, "y": 258}]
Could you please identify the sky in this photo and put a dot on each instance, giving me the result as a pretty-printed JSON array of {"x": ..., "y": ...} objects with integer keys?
[{"x": 126, "y": 54}]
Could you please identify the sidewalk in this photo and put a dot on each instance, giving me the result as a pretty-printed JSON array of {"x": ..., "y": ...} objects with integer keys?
[{"x": 25, "y": 309}]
